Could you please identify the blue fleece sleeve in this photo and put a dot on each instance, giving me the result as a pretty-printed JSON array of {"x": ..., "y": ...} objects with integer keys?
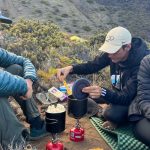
[
  {"x": 11, "y": 85},
  {"x": 7, "y": 59}
]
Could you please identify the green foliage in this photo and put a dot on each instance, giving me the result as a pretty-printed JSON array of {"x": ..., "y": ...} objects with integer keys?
[
  {"x": 46, "y": 2},
  {"x": 58, "y": 19},
  {"x": 65, "y": 15},
  {"x": 33, "y": 39},
  {"x": 90, "y": 1},
  {"x": 97, "y": 40},
  {"x": 67, "y": 29},
  {"x": 86, "y": 28},
  {"x": 103, "y": 76},
  {"x": 43, "y": 43},
  {"x": 47, "y": 47},
  {"x": 102, "y": 9},
  {"x": 39, "y": 11},
  {"x": 46, "y": 76},
  {"x": 23, "y": 2}
]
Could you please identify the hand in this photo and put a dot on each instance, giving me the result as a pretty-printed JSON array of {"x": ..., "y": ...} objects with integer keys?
[
  {"x": 63, "y": 72},
  {"x": 93, "y": 91},
  {"x": 29, "y": 92}
]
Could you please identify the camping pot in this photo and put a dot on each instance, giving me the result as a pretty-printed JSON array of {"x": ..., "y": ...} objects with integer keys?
[
  {"x": 55, "y": 119},
  {"x": 76, "y": 108}
]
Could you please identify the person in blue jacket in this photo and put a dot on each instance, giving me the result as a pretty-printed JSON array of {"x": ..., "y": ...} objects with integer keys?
[
  {"x": 123, "y": 54},
  {"x": 16, "y": 79}
]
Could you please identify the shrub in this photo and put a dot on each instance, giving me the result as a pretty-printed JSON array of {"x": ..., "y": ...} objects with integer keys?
[
  {"x": 90, "y": 1},
  {"x": 46, "y": 2},
  {"x": 43, "y": 43},
  {"x": 86, "y": 28},
  {"x": 65, "y": 15}
]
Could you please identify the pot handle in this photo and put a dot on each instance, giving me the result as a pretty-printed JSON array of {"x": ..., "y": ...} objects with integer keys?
[{"x": 54, "y": 121}]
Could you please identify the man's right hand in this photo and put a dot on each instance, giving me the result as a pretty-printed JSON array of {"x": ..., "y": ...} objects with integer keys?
[{"x": 63, "y": 72}]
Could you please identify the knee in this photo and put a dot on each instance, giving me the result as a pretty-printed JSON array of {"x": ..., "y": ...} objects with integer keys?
[
  {"x": 92, "y": 107},
  {"x": 114, "y": 117},
  {"x": 142, "y": 133},
  {"x": 108, "y": 115},
  {"x": 15, "y": 69}
]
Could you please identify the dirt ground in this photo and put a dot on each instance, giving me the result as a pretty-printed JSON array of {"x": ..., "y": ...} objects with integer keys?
[{"x": 92, "y": 138}]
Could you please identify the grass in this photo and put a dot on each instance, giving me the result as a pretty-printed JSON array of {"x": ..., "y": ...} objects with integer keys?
[
  {"x": 65, "y": 15},
  {"x": 37, "y": 11},
  {"x": 20, "y": 146},
  {"x": 86, "y": 28},
  {"x": 45, "y": 2},
  {"x": 90, "y": 1},
  {"x": 13, "y": 146}
]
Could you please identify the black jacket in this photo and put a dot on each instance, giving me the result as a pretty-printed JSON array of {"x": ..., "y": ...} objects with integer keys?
[
  {"x": 140, "y": 107},
  {"x": 125, "y": 73}
]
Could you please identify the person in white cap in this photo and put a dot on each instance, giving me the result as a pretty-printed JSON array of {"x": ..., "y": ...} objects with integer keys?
[
  {"x": 16, "y": 79},
  {"x": 123, "y": 54}
]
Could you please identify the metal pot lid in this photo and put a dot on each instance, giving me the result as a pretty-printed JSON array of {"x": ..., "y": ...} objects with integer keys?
[{"x": 77, "y": 88}]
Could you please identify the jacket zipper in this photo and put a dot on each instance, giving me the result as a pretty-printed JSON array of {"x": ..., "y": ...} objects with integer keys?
[{"x": 118, "y": 72}]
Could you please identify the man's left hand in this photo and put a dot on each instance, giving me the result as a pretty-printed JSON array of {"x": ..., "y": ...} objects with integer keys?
[
  {"x": 93, "y": 91},
  {"x": 29, "y": 92}
]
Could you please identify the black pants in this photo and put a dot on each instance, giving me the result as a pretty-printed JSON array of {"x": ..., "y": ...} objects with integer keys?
[
  {"x": 116, "y": 113},
  {"x": 142, "y": 131}
]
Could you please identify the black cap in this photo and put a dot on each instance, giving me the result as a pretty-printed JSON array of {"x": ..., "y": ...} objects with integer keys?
[{"x": 4, "y": 19}]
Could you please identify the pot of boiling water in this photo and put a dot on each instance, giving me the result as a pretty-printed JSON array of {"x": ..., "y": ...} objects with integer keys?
[
  {"x": 77, "y": 108},
  {"x": 55, "y": 118}
]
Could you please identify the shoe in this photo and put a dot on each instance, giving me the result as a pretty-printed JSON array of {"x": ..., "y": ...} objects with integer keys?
[
  {"x": 92, "y": 108},
  {"x": 109, "y": 125},
  {"x": 36, "y": 134},
  {"x": 25, "y": 134},
  {"x": 99, "y": 114}
]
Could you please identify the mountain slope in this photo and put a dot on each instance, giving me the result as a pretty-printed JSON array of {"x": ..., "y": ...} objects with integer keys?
[{"x": 85, "y": 17}]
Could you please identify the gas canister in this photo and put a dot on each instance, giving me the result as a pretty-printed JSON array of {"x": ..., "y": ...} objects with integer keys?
[
  {"x": 54, "y": 146},
  {"x": 77, "y": 134}
]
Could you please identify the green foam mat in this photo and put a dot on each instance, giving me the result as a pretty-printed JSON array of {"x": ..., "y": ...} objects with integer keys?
[{"x": 119, "y": 139}]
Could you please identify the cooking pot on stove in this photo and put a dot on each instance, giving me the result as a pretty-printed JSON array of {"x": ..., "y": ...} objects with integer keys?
[
  {"x": 55, "y": 118},
  {"x": 77, "y": 108}
]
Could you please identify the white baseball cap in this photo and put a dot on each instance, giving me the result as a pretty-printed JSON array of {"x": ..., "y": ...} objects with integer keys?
[{"x": 115, "y": 39}]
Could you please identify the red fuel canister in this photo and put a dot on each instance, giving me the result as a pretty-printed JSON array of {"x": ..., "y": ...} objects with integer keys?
[
  {"x": 77, "y": 134},
  {"x": 54, "y": 146}
]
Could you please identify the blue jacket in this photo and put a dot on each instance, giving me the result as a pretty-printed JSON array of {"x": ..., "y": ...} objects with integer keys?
[{"x": 11, "y": 85}]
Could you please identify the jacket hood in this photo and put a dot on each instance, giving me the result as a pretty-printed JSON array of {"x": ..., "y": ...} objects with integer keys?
[{"x": 136, "y": 53}]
